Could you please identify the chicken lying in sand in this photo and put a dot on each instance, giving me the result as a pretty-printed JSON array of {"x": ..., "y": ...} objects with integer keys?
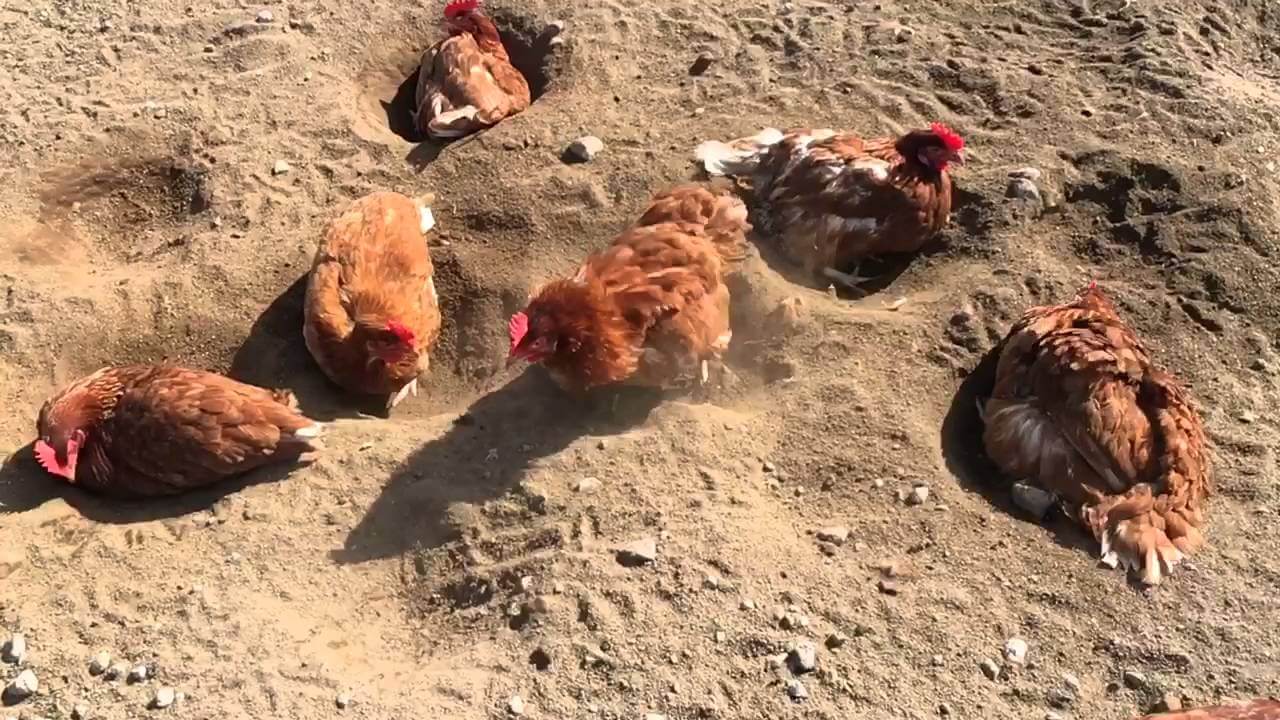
[
  {"x": 466, "y": 81},
  {"x": 1079, "y": 411},
  {"x": 834, "y": 199},
  {"x": 144, "y": 430},
  {"x": 371, "y": 314},
  {"x": 650, "y": 309},
  {"x": 1255, "y": 710}
]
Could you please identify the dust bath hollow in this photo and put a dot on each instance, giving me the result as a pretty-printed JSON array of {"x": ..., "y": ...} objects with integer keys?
[{"x": 534, "y": 51}]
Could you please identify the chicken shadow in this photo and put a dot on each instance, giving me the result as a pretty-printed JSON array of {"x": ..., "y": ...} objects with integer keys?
[
  {"x": 25, "y": 486},
  {"x": 274, "y": 355},
  {"x": 965, "y": 457},
  {"x": 483, "y": 455}
]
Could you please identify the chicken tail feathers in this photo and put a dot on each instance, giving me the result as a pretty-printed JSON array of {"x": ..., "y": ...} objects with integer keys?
[
  {"x": 1142, "y": 532},
  {"x": 739, "y": 157}
]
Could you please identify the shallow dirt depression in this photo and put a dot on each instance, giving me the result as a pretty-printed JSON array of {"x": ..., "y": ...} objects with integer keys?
[{"x": 538, "y": 50}]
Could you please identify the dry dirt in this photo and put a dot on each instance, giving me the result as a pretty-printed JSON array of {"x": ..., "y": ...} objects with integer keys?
[{"x": 435, "y": 564}]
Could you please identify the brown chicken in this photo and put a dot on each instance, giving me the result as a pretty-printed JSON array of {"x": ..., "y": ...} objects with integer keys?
[
  {"x": 147, "y": 430},
  {"x": 1079, "y": 410},
  {"x": 1255, "y": 710},
  {"x": 371, "y": 313},
  {"x": 833, "y": 199},
  {"x": 466, "y": 82},
  {"x": 650, "y": 309}
]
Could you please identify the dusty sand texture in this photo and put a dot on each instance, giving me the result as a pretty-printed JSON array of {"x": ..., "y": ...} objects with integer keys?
[{"x": 142, "y": 219}]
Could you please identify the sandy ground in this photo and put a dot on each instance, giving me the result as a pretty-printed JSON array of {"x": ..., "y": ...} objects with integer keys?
[{"x": 438, "y": 563}]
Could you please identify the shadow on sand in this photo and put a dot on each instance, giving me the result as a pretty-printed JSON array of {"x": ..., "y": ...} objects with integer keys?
[{"x": 483, "y": 455}]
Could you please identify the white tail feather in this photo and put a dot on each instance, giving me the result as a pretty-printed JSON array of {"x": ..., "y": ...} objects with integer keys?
[
  {"x": 427, "y": 220},
  {"x": 738, "y": 157},
  {"x": 311, "y": 431}
]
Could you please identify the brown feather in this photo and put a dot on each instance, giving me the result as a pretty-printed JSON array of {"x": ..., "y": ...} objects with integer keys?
[
  {"x": 372, "y": 268},
  {"x": 159, "y": 430},
  {"x": 1079, "y": 409}
]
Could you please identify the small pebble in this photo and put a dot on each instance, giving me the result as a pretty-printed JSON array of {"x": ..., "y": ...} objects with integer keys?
[
  {"x": 944, "y": 710},
  {"x": 1072, "y": 683},
  {"x": 918, "y": 495},
  {"x": 515, "y": 705},
  {"x": 747, "y": 604},
  {"x": 584, "y": 149},
  {"x": 638, "y": 552},
  {"x": 343, "y": 701},
  {"x": 835, "y": 535},
  {"x": 281, "y": 167},
  {"x": 1134, "y": 680},
  {"x": 990, "y": 669},
  {"x": 137, "y": 674},
  {"x": 701, "y": 64},
  {"x": 836, "y": 640},
  {"x": 1168, "y": 702},
  {"x": 1026, "y": 173},
  {"x": 803, "y": 658},
  {"x": 163, "y": 698},
  {"x": 117, "y": 671},
  {"x": 265, "y": 16},
  {"x": 1060, "y": 698},
  {"x": 15, "y": 649},
  {"x": 588, "y": 485},
  {"x": 1015, "y": 651},
  {"x": 100, "y": 663},
  {"x": 888, "y": 586},
  {"x": 22, "y": 687},
  {"x": 1051, "y": 715},
  {"x": 797, "y": 691},
  {"x": 937, "y": 661},
  {"x": 80, "y": 712},
  {"x": 654, "y": 716}
]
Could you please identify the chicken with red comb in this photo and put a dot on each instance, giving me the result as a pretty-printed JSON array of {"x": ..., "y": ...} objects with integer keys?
[
  {"x": 149, "y": 430},
  {"x": 1080, "y": 411},
  {"x": 833, "y": 199},
  {"x": 466, "y": 82},
  {"x": 371, "y": 313},
  {"x": 650, "y": 309}
]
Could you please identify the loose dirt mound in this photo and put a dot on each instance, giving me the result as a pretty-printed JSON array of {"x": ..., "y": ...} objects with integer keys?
[{"x": 464, "y": 551}]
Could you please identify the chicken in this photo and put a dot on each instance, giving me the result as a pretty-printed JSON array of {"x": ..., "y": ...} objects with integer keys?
[
  {"x": 466, "y": 82},
  {"x": 650, "y": 309},
  {"x": 833, "y": 199},
  {"x": 371, "y": 313},
  {"x": 148, "y": 430},
  {"x": 1255, "y": 710},
  {"x": 1079, "y": 410}
]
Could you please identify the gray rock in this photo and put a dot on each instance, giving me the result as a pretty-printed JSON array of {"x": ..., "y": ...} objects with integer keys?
[
  {"x": 22, "y": 687},
  {"x": 1060, "y": 698},
  {"x": 638, "y": 552},
  {"x": 838, "y": 535},
  {"x": 163, "y": 698},
  {"x": 100, "y": 663},
  {"x": 1072, "y": 683},
  {"x": 990, "y": 669},
  {"x": 1024, "y": 189},
  {"x": 1026, "y": 173},
  {"x": 587, "y": 485},
  {"x": 15, "y": 649},
  {"x": 265, "y": 16},
  {"x": 1134, "y": 680},
  {"x": 1168, "y": 702},
  {"x": 282, "y": 167},
  {"x": 118, "y": 671},
  {"x": 1015, "y": 651},
  {"x": 138, "y": 674},
  {"x": 1032, "y": 499},
  {"x": 80, "y": 712},
  {"x": 584, "y": 149},
  {"x": 803, "y": 658},
  {"x": 747, "y": 604},
  {"x": 515, "y": 705},
  {"x": 797, "y": 691},
  {"x": 918, "y": 495},
  {"x": 343, "y": 701},
  {"x": 836, "y": 640}
]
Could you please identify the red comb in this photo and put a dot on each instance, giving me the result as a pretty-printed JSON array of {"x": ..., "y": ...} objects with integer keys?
[
  {"x": 517, "y": 328},
  {"x": 456, "y": 8},
  {"x": 948, "y": 136},
  {"x": 401, "y": 331},
  {"x": 1093, "y": 284}
]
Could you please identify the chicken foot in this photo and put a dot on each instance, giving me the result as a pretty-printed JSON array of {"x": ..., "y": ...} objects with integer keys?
[{"x": 851, "y": 281}]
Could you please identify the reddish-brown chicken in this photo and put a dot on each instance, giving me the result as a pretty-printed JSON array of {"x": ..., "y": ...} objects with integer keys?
[
  {"x": 1080, "y": 411},
  {"x": 146, "y": 430},
  {"x": 371, "y": 313},
  {"x": 833, "y": 199},
  {"x": 1255, "y": 710},
  {"x": 466, "y": 81},
  {"x": 652, "y": 308}
]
